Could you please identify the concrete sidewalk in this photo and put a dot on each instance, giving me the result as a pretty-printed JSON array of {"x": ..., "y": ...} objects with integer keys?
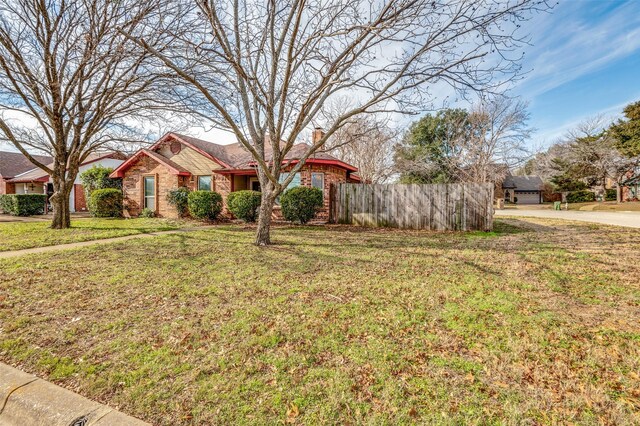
[
  {"x": 626, "y": 219},
  {"x": 28, "y": 400}
]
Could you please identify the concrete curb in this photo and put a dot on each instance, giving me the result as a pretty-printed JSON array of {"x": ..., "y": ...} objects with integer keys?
[{"x": 28, "y": 400}]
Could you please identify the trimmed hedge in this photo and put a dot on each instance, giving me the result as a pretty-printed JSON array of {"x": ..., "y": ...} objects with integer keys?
[
  {"x": 611, "y": 195},
  {"x": 23, "y": 204},
  {"x": 205, "y": 204},
  {"x": 301, "y": 203},
  {"x": 106, "y": 202},
  {"x": 97, "y": 177},
  {"x": 244, "y": 205},
  {"x": 179, "y": 197},
  {"x": 583, "y": 196}
]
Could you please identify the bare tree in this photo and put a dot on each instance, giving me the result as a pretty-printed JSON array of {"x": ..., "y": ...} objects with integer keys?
[
  {"x": 71, "y": 84},
  {"x": 587, "y": 155},
  {"x": 460, "y": 146},
  {"x": 265, "y": 70},
  {"x": 367, "y": 142},
  {"x": 498, "y": 132}
]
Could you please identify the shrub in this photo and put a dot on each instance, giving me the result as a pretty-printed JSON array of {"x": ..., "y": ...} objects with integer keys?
[
  {"x": 97, "y": 177},
  {"x": 205, "y": 204},
  {"x": 23, "y": 204},
  {"x": 179, "y": 197},
  {"x": 300, "y": 204},
  {"x": 106, "y": 202},
  {"x": 611, "y": 195},
  {"x": 148, "y": 213},
  {"x": 244, "y": 205},
  {"x": 583, "y": 196}
]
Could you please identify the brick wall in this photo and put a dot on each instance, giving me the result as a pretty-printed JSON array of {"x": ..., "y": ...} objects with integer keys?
[
  {"x": 3, "y": 186},
  {"x": 132, "y": 187},
  {"x": 165, "y": 181},
  {"x": 331, "y": 175}
]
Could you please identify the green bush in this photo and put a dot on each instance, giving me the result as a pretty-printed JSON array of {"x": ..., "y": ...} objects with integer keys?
[
  {"x": 179, "y": 197},
  {"x": 97, "y": 177},
  {"x": 244, "y": 205},
  {"x": 148, "y": 213},
  {"x": 106, "y": 202},
  {"x": 301, "y": 203},
  {"x": 205, "y": 204},
  {"x": 23, "y": 204},
  {"x": 611, "y": 195},
  {"x": 583, "y": 196}
]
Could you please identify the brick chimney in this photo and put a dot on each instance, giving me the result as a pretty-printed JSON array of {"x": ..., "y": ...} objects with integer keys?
[{"x": 317, "y": 134}]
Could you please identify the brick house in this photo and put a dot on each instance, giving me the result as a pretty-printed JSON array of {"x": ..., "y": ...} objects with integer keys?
[
  {"x": 523, "y": 189},
  {"x": 631, "y": 188},
  {"x": 182, "y": 161},
  {"x": 13, "y": 164},
  {"x": 37, "y": 181}
]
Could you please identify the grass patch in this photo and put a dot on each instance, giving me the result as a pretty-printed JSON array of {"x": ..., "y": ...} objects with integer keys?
[
  {"x": 538, "y": 323},
  {"x": 606, "y": 206},
  {"x": 24, "y": 235}
]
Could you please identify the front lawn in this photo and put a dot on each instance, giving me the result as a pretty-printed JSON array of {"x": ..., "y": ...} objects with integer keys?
[
  {"x": 23, "y": 235},
  {"x": 606, "y": 206},
  {"x": 536, "y": 323}
]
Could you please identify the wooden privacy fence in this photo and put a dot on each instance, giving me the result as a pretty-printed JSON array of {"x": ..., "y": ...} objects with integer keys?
[{"x": 441, "y": 207}]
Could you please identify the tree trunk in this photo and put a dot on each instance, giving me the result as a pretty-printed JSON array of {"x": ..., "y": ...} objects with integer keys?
[
  {"x": 60, "y": 204},
  {"x": 263, "y": 234},
  {"x": 618, "y": 193}
]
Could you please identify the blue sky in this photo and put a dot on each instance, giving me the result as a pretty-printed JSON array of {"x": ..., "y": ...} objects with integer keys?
[{"x": 585, "y": 60}]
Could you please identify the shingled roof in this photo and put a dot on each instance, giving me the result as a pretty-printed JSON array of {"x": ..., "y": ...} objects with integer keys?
[
  {"x": 14, "y": 163},
  {"x": 523, "y": 183},
  {"x": 236, "y": 156},
  {"x": 36, "y": 174}
]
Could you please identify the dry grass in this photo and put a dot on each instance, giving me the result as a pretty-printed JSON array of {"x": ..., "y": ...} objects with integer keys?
[
  {"x": 23, "y": 235},
  {"x": 633, "y": 206},
  {"x": 537, "y": 323}
]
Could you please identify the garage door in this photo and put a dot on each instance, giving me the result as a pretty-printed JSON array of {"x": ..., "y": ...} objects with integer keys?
[{"x": 528, "y": 197}]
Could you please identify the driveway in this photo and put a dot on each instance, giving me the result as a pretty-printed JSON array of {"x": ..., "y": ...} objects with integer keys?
[{"x": 626, "y": 219}]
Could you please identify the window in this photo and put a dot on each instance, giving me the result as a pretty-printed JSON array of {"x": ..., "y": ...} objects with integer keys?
[
  {"x": 150, "y": 192},
  {"x": 317, "y": 181},
  {"x": 294, "y": 182},
  {"x": 204, "y": 183}
]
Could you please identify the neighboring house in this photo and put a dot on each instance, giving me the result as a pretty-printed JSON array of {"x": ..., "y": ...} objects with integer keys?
[
  {"x": 11, "y": 165},
  {"x": 37, "y": 181},
  {"x": 523, "y": 189},
  {"x": 182, "y": 161},
  {"x": 631, "y": 188}
]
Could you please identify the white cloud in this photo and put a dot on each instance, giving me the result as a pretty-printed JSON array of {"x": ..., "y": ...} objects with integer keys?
[{"x": 567, "y": 45}]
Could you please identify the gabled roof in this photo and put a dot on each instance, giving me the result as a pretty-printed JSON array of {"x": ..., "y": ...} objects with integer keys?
[
  {"x": 234, "y": 157},
  {"x": 175, "y": 168},
  {"x": 523, "y": 183},
  {"x": 14, "y": 163},
  {"x": 39, "y": 175}
]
